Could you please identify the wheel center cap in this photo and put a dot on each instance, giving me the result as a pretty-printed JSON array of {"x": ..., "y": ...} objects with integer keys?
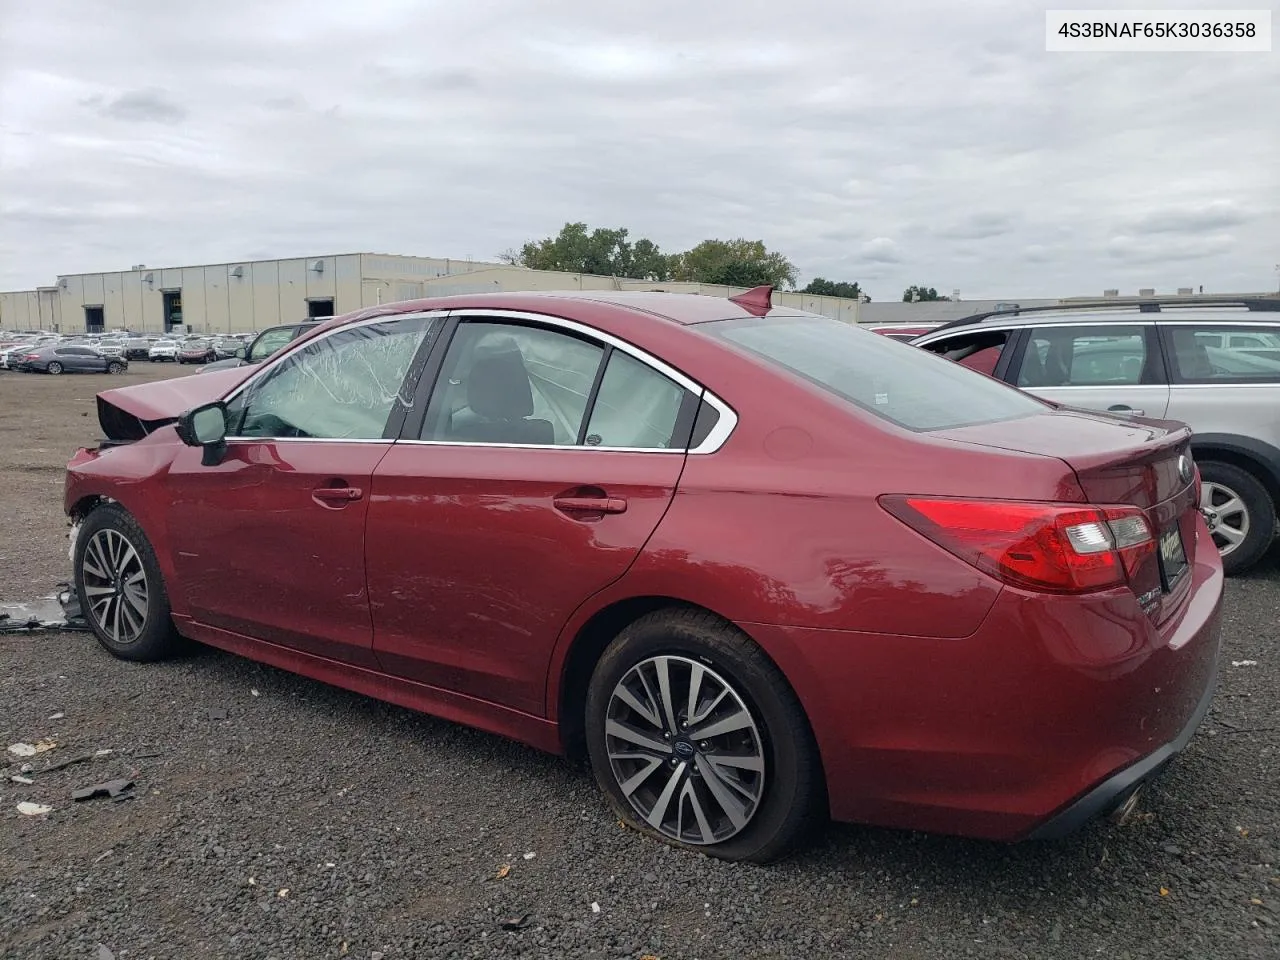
[{"x": 683, "y": 749}]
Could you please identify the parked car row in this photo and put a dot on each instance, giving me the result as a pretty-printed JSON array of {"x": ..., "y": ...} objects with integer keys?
[{"x": 758, "y": 565}]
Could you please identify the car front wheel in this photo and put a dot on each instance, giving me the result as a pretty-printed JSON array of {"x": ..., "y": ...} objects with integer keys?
[
  {"x": 1239, "y": 512},
  {"x": 54, "y": 368},
  {"x": 120, "y": 588},
  {"x": 115, "y": 368},
  {"x": 697, "y": 739}
]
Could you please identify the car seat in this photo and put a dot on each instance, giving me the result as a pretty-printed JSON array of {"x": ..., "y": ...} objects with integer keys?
[{"x": 499, "y": 404}]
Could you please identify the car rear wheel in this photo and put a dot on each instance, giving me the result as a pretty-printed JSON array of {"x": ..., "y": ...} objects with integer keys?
[
  {"x": 115, "y": 368},
  {"x": 697, "y": 739},
  {"x": 54, "y": 367},
  {"x": 1239, "y": 512},
  {"x": 120, "y": 588}
]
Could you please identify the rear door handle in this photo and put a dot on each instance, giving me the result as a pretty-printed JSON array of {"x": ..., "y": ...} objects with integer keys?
[
  {"x": 1121, "y": 408},
  {"x": 336, "y": 496},
  {"x": 590, "y": 504}
]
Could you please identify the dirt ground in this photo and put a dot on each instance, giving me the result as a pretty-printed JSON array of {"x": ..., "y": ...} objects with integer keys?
[{"x": 43, "y": 420}]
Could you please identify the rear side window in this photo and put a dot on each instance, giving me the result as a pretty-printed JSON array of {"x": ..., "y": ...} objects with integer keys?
[
  {"x": 1076, "y": 356},
  {"x": 903, "y": 384},
  {"x": 978, "y": 351},
  {"x": 1224, "y": 354}
]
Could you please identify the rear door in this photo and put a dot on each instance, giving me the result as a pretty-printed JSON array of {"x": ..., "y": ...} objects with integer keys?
[
  {"x": 1113, "y": 367},
  {"x": 544, "y": 460}
]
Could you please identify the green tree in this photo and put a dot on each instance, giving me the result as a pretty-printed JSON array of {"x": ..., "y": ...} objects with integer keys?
[
  {"x": 602, "y": 251},
  {"x": 833, "y": 288},
  {"x": 921, "y": 294},
  {"x": 739, "y": 263}
]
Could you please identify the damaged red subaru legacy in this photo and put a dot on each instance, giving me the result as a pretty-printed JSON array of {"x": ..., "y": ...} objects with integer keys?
[{"x": 758, "y": 565}]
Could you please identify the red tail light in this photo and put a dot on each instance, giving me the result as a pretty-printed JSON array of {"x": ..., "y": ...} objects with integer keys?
[
  {"x": 32, "y": 356},
  {"x": 1040, "y": 546}
]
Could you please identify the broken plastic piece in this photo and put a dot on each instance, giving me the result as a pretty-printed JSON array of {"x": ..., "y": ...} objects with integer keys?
[
  {"x": 34, "y": 809},
  {"x": 31, "y": 749},
  {"x": 516, "y": 923},
  {"x": 27, "y": 781},
  {"x": 112, "y": 788}
]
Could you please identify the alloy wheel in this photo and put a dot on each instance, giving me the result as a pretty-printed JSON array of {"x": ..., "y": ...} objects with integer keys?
[
  {"x": 115, "y": 586},
  {"x": 685, "y": 750},
  {"x": 1226, "y": 514}
]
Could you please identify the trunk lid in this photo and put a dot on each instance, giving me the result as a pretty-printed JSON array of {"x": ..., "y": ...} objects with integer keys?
[{"x": 1140, "y": 462}]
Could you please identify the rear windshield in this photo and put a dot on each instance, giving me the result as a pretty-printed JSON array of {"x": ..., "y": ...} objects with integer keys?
[{"x": 901, "y": 383}]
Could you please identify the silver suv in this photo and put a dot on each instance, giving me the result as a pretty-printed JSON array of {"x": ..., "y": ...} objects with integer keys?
[{"x": 1213, "y": 365}]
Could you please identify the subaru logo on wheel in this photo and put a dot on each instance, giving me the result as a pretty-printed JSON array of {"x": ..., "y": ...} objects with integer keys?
[{"x": 1185, "y": 470}]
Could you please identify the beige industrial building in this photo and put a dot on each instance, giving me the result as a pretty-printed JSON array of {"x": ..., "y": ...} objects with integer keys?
[{"x": 251, "y": 295}]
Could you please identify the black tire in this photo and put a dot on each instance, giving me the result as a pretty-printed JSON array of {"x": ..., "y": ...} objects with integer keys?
[
  {"x": 115, "y": 369},
  {"x": 1259, "y": 513},
  {"x": 156, "y": 638},
  {"x": 54, "y": 368},
  {"x": 791, "y": 798}
]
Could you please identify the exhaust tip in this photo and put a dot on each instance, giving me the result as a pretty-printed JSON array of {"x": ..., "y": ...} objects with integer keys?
[{"x": 1125, "y": 811}]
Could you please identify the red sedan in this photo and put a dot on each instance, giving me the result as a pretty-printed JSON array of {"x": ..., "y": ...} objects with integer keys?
[{"x": 757, "y": 564}]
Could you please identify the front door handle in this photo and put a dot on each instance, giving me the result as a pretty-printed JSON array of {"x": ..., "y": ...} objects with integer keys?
[
  {"x": 336, "y": 496},
  {"x": 590, "y": 504},
  {"x": 1121, "y": 408}
]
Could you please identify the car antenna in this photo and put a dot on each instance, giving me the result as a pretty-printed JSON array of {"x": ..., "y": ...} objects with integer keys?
[{"x": 757, "y": 301}]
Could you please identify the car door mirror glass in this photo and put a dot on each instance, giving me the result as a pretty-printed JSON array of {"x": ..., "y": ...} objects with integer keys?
[
  {"x": 238, "y": 352},
  {"x": 206, "y": 427}
]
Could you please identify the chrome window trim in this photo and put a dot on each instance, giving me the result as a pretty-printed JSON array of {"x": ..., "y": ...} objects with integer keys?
[{"x": 713, "y": 441}]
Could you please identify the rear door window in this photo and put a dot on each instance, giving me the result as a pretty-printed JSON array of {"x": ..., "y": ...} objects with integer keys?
[
  {"x": 1088, "y": 356},
  {"x": 1223, "y": 354}
]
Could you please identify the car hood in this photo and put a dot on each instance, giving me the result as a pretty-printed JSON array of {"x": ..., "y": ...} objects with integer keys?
[{"x": 130, "y": 413}]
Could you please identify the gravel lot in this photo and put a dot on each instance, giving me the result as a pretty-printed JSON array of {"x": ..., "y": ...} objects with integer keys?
[{"x": 313, "y": 823}]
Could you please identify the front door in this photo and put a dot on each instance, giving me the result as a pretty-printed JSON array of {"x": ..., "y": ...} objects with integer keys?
[
  {"x": 1116, "y": 368},
  {"x": 543, "y": 464},
  {"x": 270, "y": 542}
]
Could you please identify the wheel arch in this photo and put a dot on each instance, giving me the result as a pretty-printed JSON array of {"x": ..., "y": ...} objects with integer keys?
[
  {"x": 589, "y": 643},
  {"x": 1260, "y": 459}
]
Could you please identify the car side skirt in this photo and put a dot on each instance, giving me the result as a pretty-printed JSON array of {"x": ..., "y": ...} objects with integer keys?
[{"x": 537, "y": 732}]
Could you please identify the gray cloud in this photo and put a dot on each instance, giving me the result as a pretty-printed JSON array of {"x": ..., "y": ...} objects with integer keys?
[
  {"x": 298, "y": 128},
  {"x": 139, "y": 106},
  {"x": 1193, "y": 219}
]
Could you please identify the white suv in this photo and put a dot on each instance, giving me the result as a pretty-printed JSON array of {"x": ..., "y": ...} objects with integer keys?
[
  {"x": 163, "y": 350},
  {"x": 1214, "y": 365}
]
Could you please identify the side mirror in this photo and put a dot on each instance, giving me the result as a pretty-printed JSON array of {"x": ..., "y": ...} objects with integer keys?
[
  {"x": 206, "y": 427},
  {"x": 239, "y": 352}
]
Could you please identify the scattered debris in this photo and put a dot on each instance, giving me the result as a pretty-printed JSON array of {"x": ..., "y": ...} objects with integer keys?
[
  {"x": 33, "y": 809},
  {"x": 516, "y": 923},
  {"x": 145, "y": 756},
  {"x": 595, "y": 907},
  {"x": 112, "y": 789},
  {"x": 217, "y": 713},
  {"x": 1244, "y": 663},
  {"x": 66, "y": 763},
  {"x": 57, "y": 716},
  {"x": 103, "y": 753},
  {"x": 58, "y": 611},
  {"x": 23, "y": 780},
  {"x": 282, "y": 892},
  {"x": 1164, "y": 891},
  {"x": 530, "y": 856},
  {"x": 254, "y": 691},
  {"x": 502, "y": 872},
  {"x": 31, "y": 749}
]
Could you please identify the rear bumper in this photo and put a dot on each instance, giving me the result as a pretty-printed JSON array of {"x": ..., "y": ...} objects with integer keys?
[
  {"x": 1045, "y": 716},
  {"x": 1107, "y": 795}
]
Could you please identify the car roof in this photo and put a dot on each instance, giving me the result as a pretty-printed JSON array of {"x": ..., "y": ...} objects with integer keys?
[
  {"x": 681, "y": 308},
  {"x": 1265, "y": 310}
]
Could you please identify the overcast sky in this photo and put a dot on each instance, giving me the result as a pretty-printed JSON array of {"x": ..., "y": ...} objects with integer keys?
[{"x": 884, "y": 142}]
